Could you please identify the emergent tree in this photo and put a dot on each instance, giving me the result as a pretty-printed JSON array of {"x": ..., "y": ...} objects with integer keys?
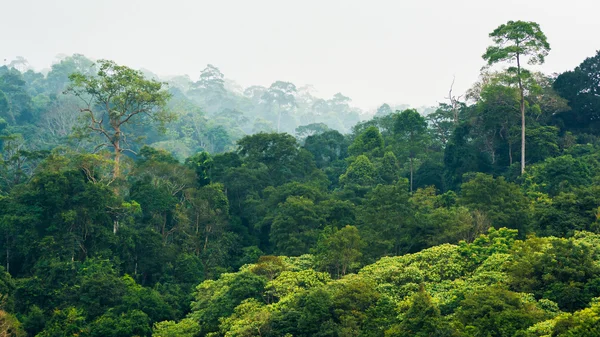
[
  {"x": 115, "y": 97},
  {"x": 514, "y": 41}
]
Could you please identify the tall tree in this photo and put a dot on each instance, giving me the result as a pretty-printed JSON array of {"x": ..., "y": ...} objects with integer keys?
[
  {"x": 210, "y": 88},
  {"x": 411, "y": 133},
  {"x": 115, "y": 97},
  {"x": 282, "y": 95},
  {"x": 515, "y": 41}
]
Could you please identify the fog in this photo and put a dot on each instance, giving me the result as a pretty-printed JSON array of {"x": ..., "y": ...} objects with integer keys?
[{"x": 374, "y": 52}]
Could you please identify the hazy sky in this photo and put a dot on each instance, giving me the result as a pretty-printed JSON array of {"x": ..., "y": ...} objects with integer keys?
[{"x": 373, "y": 51}]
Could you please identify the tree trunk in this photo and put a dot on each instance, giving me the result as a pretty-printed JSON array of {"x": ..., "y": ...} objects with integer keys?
[
  {"x": 411, "y": 174},
  {"x": 116, "y": 142},
  {"x": 522, "y": 103},
  {"x": 117, "y": 168}
]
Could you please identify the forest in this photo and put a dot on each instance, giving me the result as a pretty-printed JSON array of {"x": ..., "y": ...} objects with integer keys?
[{"x": 139, "y": 205}]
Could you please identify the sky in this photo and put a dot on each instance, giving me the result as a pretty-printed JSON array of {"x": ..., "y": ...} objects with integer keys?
[{"x": 373, "y": 51}]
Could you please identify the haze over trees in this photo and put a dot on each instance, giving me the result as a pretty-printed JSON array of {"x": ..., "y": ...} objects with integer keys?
[{"x": 133, "y": 205}]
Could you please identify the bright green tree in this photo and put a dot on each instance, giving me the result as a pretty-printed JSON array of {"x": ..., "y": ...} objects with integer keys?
[
  {"x": 369, "y": 143},
  {"x": 338, "y": 251},
  {"x": 423, "y": 319}
]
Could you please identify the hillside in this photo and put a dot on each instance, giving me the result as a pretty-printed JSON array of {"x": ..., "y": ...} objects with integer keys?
[
  {"x": 494, "y": 286},
  {"x": 134, "y": 207}
]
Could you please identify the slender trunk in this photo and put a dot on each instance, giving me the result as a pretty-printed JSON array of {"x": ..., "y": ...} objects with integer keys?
[
  {"x": 117, "y": 145},
  {"x": 411, "y": 174},
  {"x": 510, "y": 154},
  {"x": 115, "y": 226},
  {"x": 522, "y": 103},
  {"x": 117, "y": 168},
  {"x": 207, "y": 231}
]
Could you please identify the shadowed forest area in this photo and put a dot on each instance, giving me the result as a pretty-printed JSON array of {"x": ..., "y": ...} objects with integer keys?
[{"x": 139, "y": 205}]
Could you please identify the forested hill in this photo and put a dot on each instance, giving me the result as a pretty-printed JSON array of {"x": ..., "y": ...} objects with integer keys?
[
  {"x": 129, "y": 207},
  {"x": 213, "y": 112},
  {"x": 494, "y": 286}
]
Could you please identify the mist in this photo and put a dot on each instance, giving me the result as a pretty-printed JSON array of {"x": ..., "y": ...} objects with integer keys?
[{"x": 383, "y": 51}]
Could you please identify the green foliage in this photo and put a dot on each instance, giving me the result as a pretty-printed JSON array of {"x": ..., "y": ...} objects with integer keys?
[
  {"x": 423, "y": 318},
  {"x": 502, "y": 202},
  {"x": 517, "y": 38},
  {"x": 122, "y": 96},
  {"x": 185, "y": 328},
  {"x": 338, "y": 251},
  {"x": 360, "y": 173},
  {"x": 580, "y": 88},
  {"x": 560, "y": 174},
  {"x": 10, "y": 325},
  {"x": 132, "y": 323},
  {"x": 410, "y": 133},
  {"x": 389, "y": 168},
  {"x": 496, "y": 312},
  {"x": 385, "y": 220},
  {"x": 174, "y": 241},
  {"x": 368, "y": 143},
  {"x": 295, "y": 226},
  {"x": 562, "y": 270}
]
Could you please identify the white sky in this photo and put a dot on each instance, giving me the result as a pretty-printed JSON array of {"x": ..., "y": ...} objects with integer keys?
[{"x": 393, "y": 51}]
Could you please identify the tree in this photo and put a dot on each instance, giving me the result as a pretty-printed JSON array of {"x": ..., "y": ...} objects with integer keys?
[
  {"x": 20, "y": 63},
  {"x": 512, "y": 42},
  {"x": 502, "y": 202},
  {"x": 211, "y": 89},
  {"x": 497, "y": 112},
  {"x": 116, "y": 97},
  {"x": 423, "y": 319},
  {"x": 58, "y": 77},
  {"x": 410, "y": 129},
  {"x": 496, "y": 312},
  {"x": 15, "y": 102},
  {"x": 282, "y": 94},
  {"x": 10, "y": 325},
  {"x": 304, "y": 131},
  {"x": 339, "y": 250},
  {"x": 442, "y": 123},
  {"x": 295, "y": 226},
  {"x": 388, "y": 169},
  {"x": 327, "y": 147},
  {"x": 383, "y": 110},
  {"x": 368, "y": 143},
  {"x": 581, "y": 87},
  {"x": 360, "y": 173},
  {"x": 561, "y": 270},
  {"x": 385, "y": 221},
  {"x": 185, "y": 328},
  {"x": 202, "y": 163}
]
